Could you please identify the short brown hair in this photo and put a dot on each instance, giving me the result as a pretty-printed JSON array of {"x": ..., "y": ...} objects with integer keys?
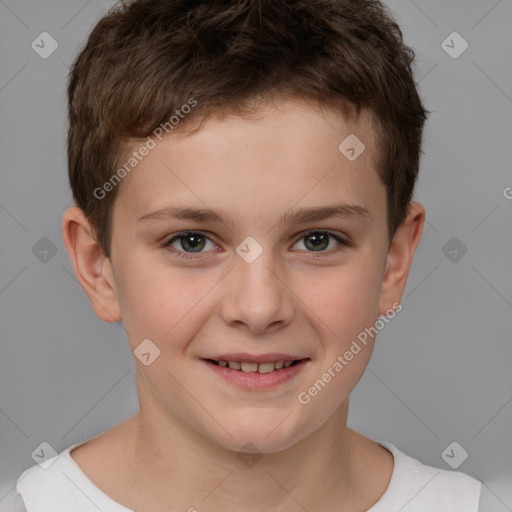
[{"x": 147, "y": 58}]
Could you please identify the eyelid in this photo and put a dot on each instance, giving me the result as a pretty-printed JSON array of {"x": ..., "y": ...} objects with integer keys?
[
  {"x": 182, "y": 234},
  {"x": 337, "y": 236},
  {"x": 343, "y": 243}
]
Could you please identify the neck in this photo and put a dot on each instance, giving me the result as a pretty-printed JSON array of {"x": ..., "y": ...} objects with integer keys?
[{"x": 174, "y": 463}]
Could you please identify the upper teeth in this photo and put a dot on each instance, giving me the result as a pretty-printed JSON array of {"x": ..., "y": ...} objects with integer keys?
[{"x": 255, "y": 367}]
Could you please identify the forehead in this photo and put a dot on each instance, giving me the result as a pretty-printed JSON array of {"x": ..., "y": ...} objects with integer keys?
[{"x": 284, "y": 154}]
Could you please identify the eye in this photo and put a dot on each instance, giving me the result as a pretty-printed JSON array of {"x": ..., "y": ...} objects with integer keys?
[
  {"x": 189, "y": 243},
  {"x": 185, "y": 245},
  {"x": 319, "y": 241}
]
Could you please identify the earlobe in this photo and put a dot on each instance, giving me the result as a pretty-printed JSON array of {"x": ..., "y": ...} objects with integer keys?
[
  {"x": 400, "y": 255},
  {"x": 92, "y": 268}
]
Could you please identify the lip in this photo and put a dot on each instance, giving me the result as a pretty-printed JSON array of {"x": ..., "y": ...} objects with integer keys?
[
  {"x": 254, "y": 381},
  {"x": 254, "y": 358}
]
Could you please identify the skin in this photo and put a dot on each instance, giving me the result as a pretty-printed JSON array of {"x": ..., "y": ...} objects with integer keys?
[{"x": 182, "y": 446}]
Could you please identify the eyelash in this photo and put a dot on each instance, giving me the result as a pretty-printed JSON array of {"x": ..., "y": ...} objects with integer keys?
[{"x": 181, "y": 254}]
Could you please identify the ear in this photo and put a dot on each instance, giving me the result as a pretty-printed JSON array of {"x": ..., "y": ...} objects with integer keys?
[
  {"x": 92, "y": 268},
  {"x": 399, "y": 258}
]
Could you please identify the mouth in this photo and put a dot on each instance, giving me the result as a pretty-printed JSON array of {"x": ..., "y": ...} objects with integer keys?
[
  {"x": 256, "y": 372},
  {"x": 255, "y": 367}
]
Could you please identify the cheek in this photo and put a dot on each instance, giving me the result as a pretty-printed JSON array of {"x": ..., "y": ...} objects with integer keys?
[
  {"x": 344, "y": 300},
  {"x": 158, "y": 304},
  {"x": 347, "y": 303}
]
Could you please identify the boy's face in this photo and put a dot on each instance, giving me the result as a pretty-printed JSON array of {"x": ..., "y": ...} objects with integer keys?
[{"x": 208, "y": 297}]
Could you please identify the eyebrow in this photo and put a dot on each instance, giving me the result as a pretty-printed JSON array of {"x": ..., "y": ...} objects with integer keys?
[{"x": 299, "y": 216}]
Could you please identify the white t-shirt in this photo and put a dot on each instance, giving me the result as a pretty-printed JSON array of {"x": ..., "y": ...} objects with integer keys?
[{"x": 414, "y": 487}]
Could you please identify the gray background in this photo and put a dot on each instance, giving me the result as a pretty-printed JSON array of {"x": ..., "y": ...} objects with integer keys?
[{"x": 441, "y": 369}]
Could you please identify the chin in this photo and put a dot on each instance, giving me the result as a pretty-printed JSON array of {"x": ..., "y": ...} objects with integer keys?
[{"x": 258, "y": 432}]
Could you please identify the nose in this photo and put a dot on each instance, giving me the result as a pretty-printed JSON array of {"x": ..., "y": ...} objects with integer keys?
[{"x": 256, "y": 297}]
